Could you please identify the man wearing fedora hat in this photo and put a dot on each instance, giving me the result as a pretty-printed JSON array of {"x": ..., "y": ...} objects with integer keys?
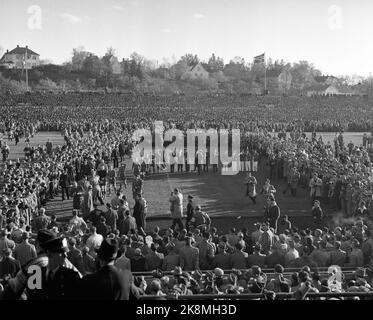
[
  {"x": 15, "y": 286},
  {"x": 59, "y": 280},
  {"x": 108, "y": 283}
]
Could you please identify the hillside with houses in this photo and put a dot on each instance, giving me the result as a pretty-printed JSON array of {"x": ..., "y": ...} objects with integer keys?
[{"x": 189, "y": 75}]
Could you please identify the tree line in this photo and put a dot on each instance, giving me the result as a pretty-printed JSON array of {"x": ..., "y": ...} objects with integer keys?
[{"x": 88, "y": 71}]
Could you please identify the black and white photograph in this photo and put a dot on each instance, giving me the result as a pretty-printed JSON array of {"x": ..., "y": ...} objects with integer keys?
[{"x": 196, "y": 153}]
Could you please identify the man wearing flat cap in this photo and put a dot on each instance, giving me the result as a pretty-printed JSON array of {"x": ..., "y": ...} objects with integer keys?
[{"x": 109, "y": 283}]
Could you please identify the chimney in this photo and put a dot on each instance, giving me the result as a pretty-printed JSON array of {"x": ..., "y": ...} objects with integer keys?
[
  {"x": 26, "y": 47},
  {"x": 7, "y": 51},
  {"x": 17, "y": 46}
]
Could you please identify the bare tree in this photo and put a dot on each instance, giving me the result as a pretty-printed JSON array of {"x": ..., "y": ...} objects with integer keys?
[{"x": 79, "y": 55}]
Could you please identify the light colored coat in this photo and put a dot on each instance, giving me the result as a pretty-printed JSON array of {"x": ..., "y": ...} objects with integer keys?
[{"x": 176, "y": 206}]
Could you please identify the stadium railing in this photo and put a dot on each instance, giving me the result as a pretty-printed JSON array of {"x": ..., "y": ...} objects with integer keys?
[
  {"x": 252, "y": 296},
  {"x": 289, "y": 271}
]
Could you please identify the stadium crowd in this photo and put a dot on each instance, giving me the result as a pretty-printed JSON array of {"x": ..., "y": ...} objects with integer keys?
[
  {"x": 322, "y": 114},
  {"x": 100, "y": 243}
]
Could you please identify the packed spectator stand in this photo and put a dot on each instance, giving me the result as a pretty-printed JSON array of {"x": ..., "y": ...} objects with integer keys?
[{"x": 284, "y": 264}]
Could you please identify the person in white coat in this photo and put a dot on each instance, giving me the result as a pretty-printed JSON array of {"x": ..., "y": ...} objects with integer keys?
[{"x": 176, "y": 200}]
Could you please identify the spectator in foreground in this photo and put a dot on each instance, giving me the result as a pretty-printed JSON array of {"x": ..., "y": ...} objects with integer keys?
[{"x": 108, "y": 283}]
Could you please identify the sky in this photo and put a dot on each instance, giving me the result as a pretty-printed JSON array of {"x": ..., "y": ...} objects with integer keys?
[{"x": 335, "y": 35}]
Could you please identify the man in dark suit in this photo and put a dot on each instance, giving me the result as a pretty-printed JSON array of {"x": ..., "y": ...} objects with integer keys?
[
  {"x": 2, "y": 219},
  {"x": 50, "y": 276},
  {"x": 111, "y": 217},
  {"x": 60, "y": 278},
  {"x": 190, "y": 211},
  {"x": 53, "y": 223},
  {"x": 41, "y": 222},
  {"x": 189, "y": 256},
  {"x": 128, "y": 224},
  {"x": 273, "y": 213},
  {"x": 64, "y": 184},
  {"x": 9, "y": 266},
  {"x": 49, "y": 146},
  {"x": 16, "y": 286},
  {"x": 95, "y": 215},
  {"x": 109, "y": 282},
  {"x": 138, "y": 214},
  {"x": 103, "y": 228},
  {"x": 238, "y": 259},
  {"x": 75, "y": 255}
]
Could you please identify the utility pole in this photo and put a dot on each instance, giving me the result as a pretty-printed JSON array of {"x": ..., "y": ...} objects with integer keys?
[
  {"x": 265, "y": 76},
  {"x": 26, "y": 70}
]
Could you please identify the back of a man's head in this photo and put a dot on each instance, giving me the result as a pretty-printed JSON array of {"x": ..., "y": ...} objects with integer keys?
[
  {"x": 322, "y": 244},
  {"x": 257, "y": 247},
  {"x": 206, "y": 235},
  {"x": 154, "y": 246},
  {"x": 337, "y": 245},
  {"x": 7, "y": 252},
  {"x": 188, "y": 241},
  {"x": 72, "y": 242},
  {"x": 304, "y": 276},
  {"x": 355, "y": 243},
  {"x": 306, "y": 269},
  {"x": 239, "y": 246},
  {"x": 291, "y": 244},
  {"x": 279, "y": 268}
]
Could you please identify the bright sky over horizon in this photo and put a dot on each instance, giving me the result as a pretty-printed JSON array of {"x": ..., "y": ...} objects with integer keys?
[{"x": 334, "y": 35}]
